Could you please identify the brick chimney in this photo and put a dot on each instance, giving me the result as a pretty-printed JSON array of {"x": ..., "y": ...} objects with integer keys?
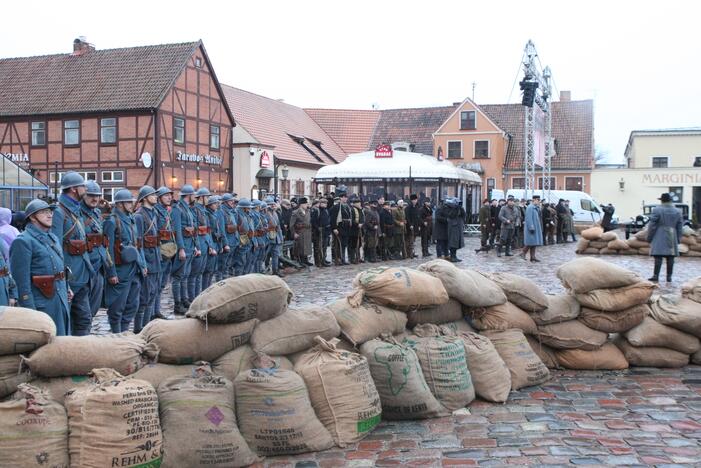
[
  {"x": 81, "y": 46},
  {"x": 565, "y": 96}
]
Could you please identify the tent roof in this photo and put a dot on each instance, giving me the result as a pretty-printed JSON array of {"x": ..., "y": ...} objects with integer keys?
[
  {"x": 366, "y": 166},
  {"x": 14, "y": 176}
]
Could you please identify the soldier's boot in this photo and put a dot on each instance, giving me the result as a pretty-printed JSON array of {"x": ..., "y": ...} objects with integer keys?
[
  {"x": 508, "y": 251},
  {"x": 179, "y": 308},
  {"x": 498, "y": 250}
]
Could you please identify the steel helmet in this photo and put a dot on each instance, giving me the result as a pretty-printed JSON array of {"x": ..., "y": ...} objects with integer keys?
[
  {"x": 187, "y": 190},
  {"x": 123, "y": 195},
  {"x": 227, "y": 197},
  {"x": 203, "y": 192},
  {"x": 36, "y": 205},
  {"x": 71, "y": 179},
  {"x": 213, "y": 199},
  {"x": 93, "y": 188},
  {"x": 245, "y": 203},
  {"x": 163, "y": 190},
  {"x": 145, "y": 191}
]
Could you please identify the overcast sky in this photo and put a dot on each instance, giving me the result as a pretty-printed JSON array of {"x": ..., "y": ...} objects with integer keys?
[{"x": 639, "y": 61}]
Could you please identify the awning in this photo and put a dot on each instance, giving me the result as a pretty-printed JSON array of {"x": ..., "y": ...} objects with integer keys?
[
  {"x": 14, "y": 176},
  {"x": 264, "y": 174}
]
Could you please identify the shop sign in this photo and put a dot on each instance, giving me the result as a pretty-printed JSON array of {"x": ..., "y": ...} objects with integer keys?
[
  {"x": 264, "y": 159},
  {"x": 199, "y": 158},
  {"x": 672, "y": 179},
  {"x": 22, "y": 159},
  {"x": 383, "y": 151}
]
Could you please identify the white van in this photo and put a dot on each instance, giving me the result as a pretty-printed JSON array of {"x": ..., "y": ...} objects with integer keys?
[{"x": 586, "y": 209}]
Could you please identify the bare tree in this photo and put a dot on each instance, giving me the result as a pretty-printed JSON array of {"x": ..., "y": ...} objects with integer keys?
[{"x": 600, "y": 155}]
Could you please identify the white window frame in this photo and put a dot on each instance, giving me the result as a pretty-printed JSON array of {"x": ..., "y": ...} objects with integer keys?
[
  {"x": 487, "y": 183},
  {"x": 581, "y": 179},
  {"x": 111, "y": 191},
  {"x": 112, "y": 179},
  {"x": 84, "y": 174},
  {"x": 489, "y": 149},
  {"x": 184, "y": 127},
  {"x": 652, "y": 158},
  {"x": 104, "y": 127},
  {"x": 33, "y": 130},
  {"x": 447, "y": 145},
  {"x": 212, "y": 134},
  {"x": 460, "y": 121},
  {"x": 72, "y": 129}
]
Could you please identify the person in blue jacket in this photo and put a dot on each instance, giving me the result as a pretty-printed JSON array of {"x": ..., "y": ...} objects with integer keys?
[
  {"x": 274, "y": 236},
  {"x": 68, "y": 227},
  {"x": 204, "y": 244},
  {"x": 245, "y": 228},
  {"x": 124, "y": 277},
  {"x": 218, "y": 240},
  {"x": 229, "y": 226},
  {"x": 36, "y": 263},
  {"x": 185, "y": 228},
  {"x": 146, "y": 219},
  {"x": 167, "y": 238},
  {"x": 97, "y": 242},
  {"x": 261, "y": 234},
  {"x": 8, "y": 291}
]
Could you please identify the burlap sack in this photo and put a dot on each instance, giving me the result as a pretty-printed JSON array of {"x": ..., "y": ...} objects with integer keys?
[
  {"x": 615, "y": 299},
  {"x": 24, "y": 330},
  {"x": 582, "y": 245},
  {"x": 607, "y": 251},
  {"x": 677, "y": 312},
  {"x": 241, "y": 298},
  {"x": 586, "y": 274},
  {"x": 609, "y": 236},
  {"x": 11, "y": 375},
  {"x": 444, "y": 365},
  {"x": 79, "y": 355},
  {"x": 644, "y": 251},
  {"x": 696, "y": 358},
  {"x": 366, "y": 321},
  {"x": 190, "y": 340},
  {"x": 525, "y": 366},
  {"x": 10, "y": 365},
  {"x": 469, "y": 287},
  {"x": 275, "y": 415},
  {"x": 628, "y": 252},
  {"x": 341, "y": 390},
  {"x": 683, "y": 249},
  {"x": 294, "y": 330},
  {"x": 593, "y": 233},
  {"x": 692, "y": 289},
  {"x": 520, "y": 291},
  {"x": 651, "y": 356},
  {"x": 614, "y": 322},
  {"x": 590, "y": 251},
  {"x": 571, "y": 335},
  {"x": 243, "y": 358},
  {"x": 502, "y": 317},
  {"x": 641, "y": 235},
  {"x": 156, "y": 373},
  {"x": 561, "y": 308},
  {"x": 544, "y": 352},
  {"x": 695, "y": 248},
  {"x": 444, "y": 313},
  {"x": 199, "y": 423},
  {"x": 457, "y": 326},
  {"x": 652, "y": 333},
  {"x": 490, "y": 376},
  {"x": 113, "y": 421},
  {"x": 33, "y": 431},
  {"x": 689, "y": 240},
  {"x": 608, "y": 357},
  {"x": 696, "y": 252},
  {"x": 399, "y": 380},
  {"x": 398, "y": 287},
  {"x": 57, "y": 388},
  {"x": 598, "y": 244},
  {"x": 618, "y": 244},
  {"x": 635, "y": 243}
]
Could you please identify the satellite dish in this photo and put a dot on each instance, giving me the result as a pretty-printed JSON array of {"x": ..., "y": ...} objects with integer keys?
[{"x": 146, "y": 160}]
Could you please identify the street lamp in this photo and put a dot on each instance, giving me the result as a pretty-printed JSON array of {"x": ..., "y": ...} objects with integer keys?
[{"x": 285, "y": 172}]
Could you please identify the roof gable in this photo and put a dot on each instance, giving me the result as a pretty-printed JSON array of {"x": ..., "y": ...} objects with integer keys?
[
  {"x": 352, "y": 129},
  {"x": 415, "y": 125},
  {"x": 483, "y": 121}
]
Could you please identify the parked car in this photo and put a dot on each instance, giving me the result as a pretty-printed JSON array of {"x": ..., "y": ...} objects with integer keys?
[{"x": 638, "y": 223}]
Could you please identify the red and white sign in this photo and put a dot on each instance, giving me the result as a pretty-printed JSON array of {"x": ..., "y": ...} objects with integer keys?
[
  {"x": 264, "y": 159},
  {"x": 384, "y": 151}
]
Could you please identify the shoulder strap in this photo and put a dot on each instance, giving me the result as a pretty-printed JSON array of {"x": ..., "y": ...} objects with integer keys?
[{"x": 74, "y": 218}]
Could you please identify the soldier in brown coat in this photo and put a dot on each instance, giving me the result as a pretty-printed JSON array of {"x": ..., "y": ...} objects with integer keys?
[{"x": 300, "y": 224}]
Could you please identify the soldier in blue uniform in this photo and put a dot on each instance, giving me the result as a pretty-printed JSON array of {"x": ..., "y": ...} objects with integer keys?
[
  {"x": 257, "y": 241},
  {"x": 97, "y": 243},
  {"x": 261, "y": 232},
  {"x": 204, "y": 244},
  {"x": 146, "y": 219},
  {"x": 68, "y": 227},
  {"x": 169, "y": 249},
  {"x": 229, "y": 226},
  {"x": 124, "y": 277},
  {"x": 36, "y": 262},
  {"x": 8, "y": 291},
  {"x": 274, "y": 235},
  {"x": 245, "y": 228},
  {"x": 185, "y": 228},
  {"x": 217, "y": 235}
]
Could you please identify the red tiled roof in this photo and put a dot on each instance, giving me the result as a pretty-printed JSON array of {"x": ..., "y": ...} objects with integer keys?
[
  {"x": 352, "y": 129},
  {"x": 413, "y": 125},
  {"x": 288, "y": 128}
]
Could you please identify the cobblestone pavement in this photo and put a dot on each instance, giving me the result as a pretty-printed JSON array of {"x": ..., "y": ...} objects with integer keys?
[{"x": 636, "y": 417}]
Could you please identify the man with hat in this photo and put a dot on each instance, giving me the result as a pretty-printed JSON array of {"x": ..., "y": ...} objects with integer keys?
[
  {"x": 204, "y": 244},
  {"x": 387, "y": 228},
  {"x": 509, "y": 216},
  {"x": 399, "y": 241},
  {"x": 413, "y": 221},
  {"x": 664, "y": 233},
  {"x": 257, "y": 240},
  {"x": 69, "y": 229},
  {"x": 485, "y": 226},
  {"x": 533, "y": 229},
  {"x": 218, "y": 239},
  {"x": 274, "y": 235},
  {"x": 321, "y": 232},
  {"x": 124, "y": 276},
  {"x": 426, "y": 216},
  {"x": 354, "y": 233},
  {"x": 36, "y": 262},
  {"x": 301, "y": 224},
  {"x": 229, "y": 226},
  {"x": 146, "y": 219},
  {"x": 185, "y": 228},
  {"x": 245, "y": 232},
  {"x": 285, "y": 214},
  {"x": 316, "y": 232},
  {"x": 340, "y": 215},
  {"x": 371, "y": 231},
  {"x": 168, "y": 248},
  {"x": 96, "y": 241}
]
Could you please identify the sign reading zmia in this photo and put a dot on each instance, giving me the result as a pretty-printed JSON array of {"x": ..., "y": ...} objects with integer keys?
[
  {"x": 199, "y": 158},
  {"x": 383, "y": 151}
]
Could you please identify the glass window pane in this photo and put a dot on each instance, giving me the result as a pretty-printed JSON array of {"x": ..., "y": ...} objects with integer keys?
[
  {"x": 38, "y": 125},
  {"x": 118, "y": 176},
  {"x": 109, "y": 122},
  {"x": 71, "y": 136},
  {"x": 108, "y": 135},
  {"x": 71, "y": 124}
]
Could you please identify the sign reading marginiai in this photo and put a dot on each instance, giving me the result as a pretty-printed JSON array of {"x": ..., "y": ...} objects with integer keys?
[{"x": 384, "y": 151}]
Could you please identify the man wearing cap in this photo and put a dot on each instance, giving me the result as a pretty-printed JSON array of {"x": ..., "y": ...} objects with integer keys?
[
  {"x": 664, "y": 233},
  {"x": 218, "y": 240},
  {"x": 314, "y": 212},
  {"x": 68, "y": 227},
  {"x": 340, "y": 215},
  {"x": 96, "y": 241},
  {"x": 205, "y": 244},
  {"x": 168, "y": 248},
  {"x": 426, "y": 216},
  {"x": 274, "y": 235},
  {"x": 533, "y": 229},
  {"x": 245, "y": 230},
  {"x": 485, "y": 226},
  {"x": 387, "y": 232},
  {"x": 8, "y": 290},
  {"x": 124, "y": 277},
  {"x": 36, "y": 263},
  {"x": 509, "y": 216},
  {"x": 185, "y": 228},
  {"x": 146, "y": 219},
  {"x": 413, "y": 220},
  {"x": 322, "y": 225},
  {"x": 399, "y": 216},
  {"x": 257, "y": 240},
  {"x": 354, "y": 233},
  {"x": 301, "y": 224},
  {"x": 371, "y": 231},
  {"x": 229, "y": 226}
]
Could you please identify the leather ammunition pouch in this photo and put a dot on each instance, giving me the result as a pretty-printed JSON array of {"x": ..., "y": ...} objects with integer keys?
[
  {"x": 4, "y": 272},
  {"x": 165, "y": 235},
  {"x": 96, "y": 240},
  {"x": 46, "y": 284},
  {"x": 151, "y": 242},
  {"x": 202, "y": 230},
  {"x": 117, "y": 252},
  {"x": 230, "y": 228},
  {"x": 189, "y": 231},
  {"x": 75, "y": 246}
]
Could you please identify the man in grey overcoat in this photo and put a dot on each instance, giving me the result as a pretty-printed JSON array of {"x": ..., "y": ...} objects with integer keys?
[{"x": 664, "y": 232}]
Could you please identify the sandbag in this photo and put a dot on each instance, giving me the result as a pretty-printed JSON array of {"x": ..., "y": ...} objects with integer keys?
[
  {"x": 444, "y": 313},
  {"x": 607, "y": 251},
  {"x": 57, "y": 387},
  {"x": 490, "y": 376},
  {"x": 190, "y": 340},
  {"x": 10, "y": 365},
  {"x": 79, "y": 355},
  {"x": 525, "y": 366},
  {"x": 614, "y": 322},
  {"x": 590, "y": 251},
  {"x": 24, "y": 330},
  {"x": 689, "y": 231},
  {"x": 608, "y": 357},
  {"x": 33, "y": 431},
  {"x": 635, "y": 243},
  {"x": 241, "y": 298},
  {"x": 582, "y": 245},
  {"x": 617, "y": 298},
  {"x": 692, "y": 289},
  {"x": 644, "y": 251},
  {"x": 652, "y": 333},
  {"x": 156, "y": 373},
  {"x": 618, "y": 244},
  {"x": 399, "y": 380},
  {"x": 689, "y": 240},
  {"x": 199, "y": 423},
  {"x": 609, "y": 236},
  {"x": 243, "y": 358},
  {"x": 561, "y": 308},
  {"x": 544, "y": 352},
  {"x": 294, "y": 330},
  {"x": 275, "y": 415},
  {"x": 628, "y": 252},
  {"x": 586, "y": 274},
  {"x": 651, "y": 356},
  {"x": 683, "y": 249},
  {"x": 341, "y": 390},
  {"x": 598, "y": 244},
  {"x": 366, "y": 321},
  {"x": 696, "y": 358},
  {"x": 677, "y": 312},
  {"x": 641, "y": 235},
  {"x": 520, "y": 291},
  {"x": 11, "y": 375},
  {"x": 113, "y": 421},
  {"x": 593, "y": 233},
  {"x": 457, "y": 326},
  {"x": 398, "y": 287},
  {"x": 571, "y": 335},
  {"x": 502, "y": 317},
  {"x": 469, "y": 287}
]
